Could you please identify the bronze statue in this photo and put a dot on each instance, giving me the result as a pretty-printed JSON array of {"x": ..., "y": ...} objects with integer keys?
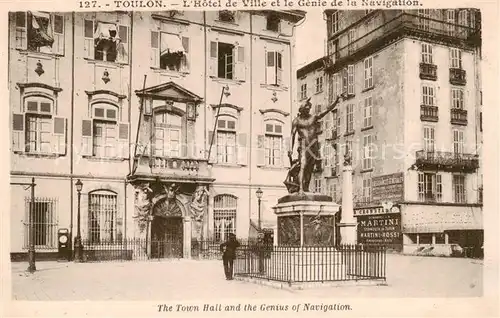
[{"x": 306, "y": 126}]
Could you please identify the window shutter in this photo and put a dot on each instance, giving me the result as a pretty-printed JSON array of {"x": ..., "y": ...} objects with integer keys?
[
  {"x": 186, "y": 57},
  {"x": 242, "y": 150},
  {"x": 213, "y": 150},
  {"x": 261, "y": 151},
  {"x": 123, "y": 144},
  {"x": 87, "y": 138},
  {"x": 155, "y": 49},
  {"x": 18, "y": 136},
  {"x": 21, "y": 36},
  {"x": 59, "y": 136},
  {"x": 270, "y": 68},
  {"x": 286, "y": 147},
  {"x": 122, "y": 50},
  {"x": 58, "y": 46},
  {"x": 240, "y": 63},
  {"x": 350, "y": 80},
  {"x": 88, "y": 34},
  {"x": 213, "y": 66},
  {"x": 279, "y": 68}
]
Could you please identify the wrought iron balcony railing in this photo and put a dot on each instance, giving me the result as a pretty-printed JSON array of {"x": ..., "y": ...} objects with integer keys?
[
  {"x": 457, "y": 76},
  {"x": 429, "y": 113},
  {"x": 428, "y": 71},
  {"x": 458, "y": 116},
  {"x": 446, "y": 161}
]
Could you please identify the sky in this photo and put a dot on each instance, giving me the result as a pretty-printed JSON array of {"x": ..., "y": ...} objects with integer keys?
[{"x": 311, "y": 36}]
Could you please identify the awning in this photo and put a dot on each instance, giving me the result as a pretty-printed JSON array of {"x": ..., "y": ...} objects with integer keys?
[
  {"x": 104, "y": 29},
  {"x": 171, "y": 43},
  {"x": 40, "y": 29},
  {"x": 437, "y": 219}
]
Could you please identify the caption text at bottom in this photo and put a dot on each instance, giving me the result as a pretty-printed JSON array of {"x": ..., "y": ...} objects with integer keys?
[{"x": 301, "y": 307}]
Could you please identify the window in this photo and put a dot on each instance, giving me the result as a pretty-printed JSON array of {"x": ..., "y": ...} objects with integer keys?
[
  {"x": 40, "y": 32},
  {"x": 104, "y": 136},
  {"x": 36, "y": 130},
  {"x": 274, "y": 68},
  {"x": 426, "y": 53},
  {"x": 430, "y": 187},
  {"x": 367, "y": 152},
  {"x": 351, "y": 37},
  {"x": 350, "y": 80},
  {"x": 368, "y": 73},
  {"x": 168, "y": 134},
  {"x": 367, "y": 112},
  {"x": 328, "y": 155},
  {"x": 349, "y": 150},
  {"x": 227, "y": 61},
  {"x": 303, "y": 91},
  {"x": 450, "y": 20},
  {"x": 227, "y": 16},
  {"x": 455, "y": 58},
  {"x": 333, "y": 191},
  {"x": 273, "y": 144},
  {"x": 458, "y": 141},
  {"x": 457, "y": 98},
  {"x": 463, "y": 17},
  {"x": 45, "y": 222},
  {"x": 350, "y": 118},
  {"x": 338, "y": 85},
  {"x": 327, "y": 123},
  {"x": 106, "y": 41},
  {"x": 226, "y": 140},
  {"x": 459, "y": 189},
  {"x": 335, "y": 26},
  {"x": 319, "y": 84},
  {"x": 423, "y": 21},
  {"x": 429, "y": 141},
  {"x": 318, "y": 185},
  {"x": 367, "y": 188},
  {"x": 169, "y": 51},
  {"x": 273, "y": 22},
  {"x": 225, "y": 207},
  {"x": 428, "y": 95},
  {"x": 102, "y": 217}
]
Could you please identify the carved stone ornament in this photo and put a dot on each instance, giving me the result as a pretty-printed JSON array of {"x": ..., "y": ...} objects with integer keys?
[
  {"x": 274, "y": 98},
  {"x": 198, "y": 203},
  {"x": 39, "y": 68},
  {"x": 105, "y": 77}
]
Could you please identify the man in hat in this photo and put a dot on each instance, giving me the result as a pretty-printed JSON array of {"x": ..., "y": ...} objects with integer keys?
[{"x": 228, "y": 250}]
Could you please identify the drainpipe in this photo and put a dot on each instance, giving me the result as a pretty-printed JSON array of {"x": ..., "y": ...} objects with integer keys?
[
  {"x": 207, "y": 219},
  {"x": 71, "y": 151},
  {"x": 250, "y": 139}
]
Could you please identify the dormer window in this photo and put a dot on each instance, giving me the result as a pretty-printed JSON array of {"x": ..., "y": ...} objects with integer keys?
[
  {"x": 273, "y": 22},
  {"x": 227, "y": 16}
]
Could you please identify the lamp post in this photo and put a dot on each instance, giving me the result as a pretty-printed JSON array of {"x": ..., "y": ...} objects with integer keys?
[
  {"x": 78, "y": 238},
  {"x": 259, "y": 193}
]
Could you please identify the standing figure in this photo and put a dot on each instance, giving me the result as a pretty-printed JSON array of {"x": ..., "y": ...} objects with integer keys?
[
  {"x": 306, "y": 126},
  {"x": 228, "y": 249}
]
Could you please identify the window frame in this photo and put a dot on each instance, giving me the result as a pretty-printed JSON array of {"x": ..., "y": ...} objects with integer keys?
[
  {"x": 167, "y": 129},
  {"x": 455, "y": 58},
  {"x": 89, "y": 41},
  {"x": 270, "y": 157},
  {"x": 226, "y": 132},
  {"x": 428, "y": 94},
  {"x": 58, "y": 37},
  {"x": 222, "y": 211},
  {"x": 93, "y": 236},
  {"x": 368, "y": 112},
  {"x": 426, "y": 53},
  {"x": 459, "y": 188},
  {"x": 368, "y": 72}
]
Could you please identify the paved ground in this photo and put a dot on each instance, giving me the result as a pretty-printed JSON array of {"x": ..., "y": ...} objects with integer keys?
[{"x": 408, "y": 276}]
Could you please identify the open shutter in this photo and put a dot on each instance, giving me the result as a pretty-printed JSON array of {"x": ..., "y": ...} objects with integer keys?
[
  {"x": 88, "y": 45},
  {"x": 144, "y": 148},
  {"x": 240, "y": 68},
  {"x": 18, "y": 135},
  {"x": 122, "y": 50},
  {"x": 58, "y": 46},
  {"x": 286, "y": 147},
  {"x": 21, "y": 35},
  {"x": 87, "y": 138},
  {"x": 350, "y": 79},
  {"x": 155, "y": 49},
  {"x": 261, "y": 151},
  {"x": 242, "y": 150},
  {"x": 59, "y": 136},
  {"x": 123, "y": 144},
  {"x": 279, "y": 68},
  {"x": 213, "y": 149},
  {"x": 186, "y": 56},
  {"x": 213, "y": 65},
  {"x": 270, "y": 68}
]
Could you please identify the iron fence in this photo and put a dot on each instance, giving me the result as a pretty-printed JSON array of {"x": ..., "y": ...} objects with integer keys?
[{"x": 312, "y": 264}]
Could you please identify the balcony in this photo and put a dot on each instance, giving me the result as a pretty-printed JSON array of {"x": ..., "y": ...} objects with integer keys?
[
  {"x": 458, "y": 116},
  {"x": 428, "y": 71},
  {"x": 446, "y": 161},
  {"x": 429, "y": 113},
  {"x": 457, "y": 76},
  {"x": 397, "y": 25}
]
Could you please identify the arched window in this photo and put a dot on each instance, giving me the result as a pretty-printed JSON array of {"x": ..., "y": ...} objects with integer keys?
[
  {"x": 273, "y": 143},
  {"x": 226, "y": 139},
  {"x": 168, "y": 136},
  {"x": 102, "y": 216},
  {"x": 225, "y": 206}
]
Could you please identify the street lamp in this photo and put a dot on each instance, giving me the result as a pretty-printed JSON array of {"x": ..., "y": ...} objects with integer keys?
[
  {"x": 259, "y": 193},
  {"x": 78, "y": 238}
]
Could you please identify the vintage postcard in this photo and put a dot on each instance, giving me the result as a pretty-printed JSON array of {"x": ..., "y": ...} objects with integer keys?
[{"x": 250, "y": 157}]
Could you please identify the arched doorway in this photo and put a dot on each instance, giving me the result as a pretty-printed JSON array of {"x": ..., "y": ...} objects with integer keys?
[{"x": 167, "y": 230}]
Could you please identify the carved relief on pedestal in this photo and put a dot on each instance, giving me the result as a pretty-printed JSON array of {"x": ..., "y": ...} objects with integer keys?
[
  {"x": 143, "y": 204},
  {"x": 319, "y": 230},
  {"x": 289, "y": 230},
  {"x": 198, "y": 206}
]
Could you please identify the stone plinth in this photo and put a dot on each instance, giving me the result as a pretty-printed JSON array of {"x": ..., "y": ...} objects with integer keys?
[{"x": 306, "y": 220}]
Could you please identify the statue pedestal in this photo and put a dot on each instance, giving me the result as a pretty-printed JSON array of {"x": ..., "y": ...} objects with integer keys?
[{"x": 306, "y": 220}]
